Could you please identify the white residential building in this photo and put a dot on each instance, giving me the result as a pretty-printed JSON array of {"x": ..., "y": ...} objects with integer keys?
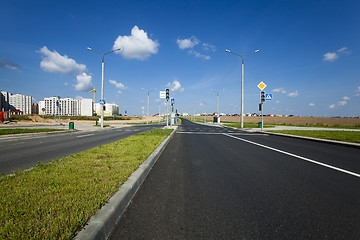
[
  {"x": 20, "y": 102},
  {"x": 67, "y": 107},
  {"x": 86, "y": 107},
  {"x": 4, "y": 101},
  {"x": 110, "y": 109}
]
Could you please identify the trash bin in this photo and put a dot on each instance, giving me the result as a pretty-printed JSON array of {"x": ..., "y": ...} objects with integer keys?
[
  {"x": 259, "y": 124},
  {"x": 71, "y": 125}
]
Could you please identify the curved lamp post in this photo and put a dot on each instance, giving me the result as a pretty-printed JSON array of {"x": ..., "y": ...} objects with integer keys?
[
  {"x": 102, "y": 81},
  {"x": 242, "y": 82}
]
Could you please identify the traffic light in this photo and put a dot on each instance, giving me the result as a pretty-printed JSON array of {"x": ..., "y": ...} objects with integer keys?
[
  {"x": 167, "y": 94},
  {"x": 262, "y": 96},
  {"x": 260, "y": 107}
]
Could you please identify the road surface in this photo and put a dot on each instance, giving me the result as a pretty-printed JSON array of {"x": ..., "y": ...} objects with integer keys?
[
  {"x": 216, "y": 183},
  {"x": 23, "y": 152}
]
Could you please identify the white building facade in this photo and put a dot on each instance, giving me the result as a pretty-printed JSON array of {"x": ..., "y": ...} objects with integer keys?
[
  {"x": 10, "y": 102},
  {"x": 110, "y": 109},
  {"x": 66, "y": 107}
]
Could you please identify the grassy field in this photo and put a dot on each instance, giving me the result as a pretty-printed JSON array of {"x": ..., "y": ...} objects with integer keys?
[
  {"x": 334, "y": 122},
  {"x": 344, "y": 136},
  {"x": 19, "y": 131},
  {"x": 55, "y": 200}
]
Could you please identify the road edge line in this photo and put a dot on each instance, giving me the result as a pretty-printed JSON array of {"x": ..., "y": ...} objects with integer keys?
[
  {"x": 297, "y": 156},
  {"x": 103, "y": 222}
]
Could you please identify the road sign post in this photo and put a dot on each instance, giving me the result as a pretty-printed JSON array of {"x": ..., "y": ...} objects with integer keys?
[{"x": 262, "y": 86}]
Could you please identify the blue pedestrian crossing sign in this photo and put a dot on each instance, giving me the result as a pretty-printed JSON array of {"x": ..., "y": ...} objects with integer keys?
[
  {"x": 102, "y": 101},
  {"x": 268, "y": 96}
]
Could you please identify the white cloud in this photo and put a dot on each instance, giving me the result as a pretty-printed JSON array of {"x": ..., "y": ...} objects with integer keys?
[
  {"x": 6, "y": 63},
  {"x": 66, "y": 84},
  {"x": 187, "y": 42},
  {"x": 199, "y": 55},
  {"x": 83, "y": 82},
  {"x": 330, "y": 57},
  {"x": 311, "y": 104},
  {"x": 136, "y": 46},
  {"x": 344, "y": 50},
  {"x": 118, "y": 85},
  {"x": 79, "y": 98},
  {"x": 342, "y": 103},
  {"x": 209, "y": 47},
  {"x": 346, "y": 98},
  {"x": 332, "y": 106},
  {"x": 281, "y": 90},
  {"x": 277, "y": 102},
  {"x": 293, "y": 94},
  {"x": 175, "y": 86},
  {"x": 357, "y": 91},
  {"x": 54, "y": 62},
  {"x": 190, "y": 43}
]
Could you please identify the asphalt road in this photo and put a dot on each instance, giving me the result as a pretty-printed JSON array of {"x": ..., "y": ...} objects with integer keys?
[
  {"x": 23, "y": 152},
  {"x": 216, "y": 183}
]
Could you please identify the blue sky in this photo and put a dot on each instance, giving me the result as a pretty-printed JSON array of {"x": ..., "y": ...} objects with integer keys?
[{"x": 309, "y": 53}]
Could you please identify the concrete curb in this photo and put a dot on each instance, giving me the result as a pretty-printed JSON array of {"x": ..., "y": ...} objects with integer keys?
[{"x": 102, "y": 223}]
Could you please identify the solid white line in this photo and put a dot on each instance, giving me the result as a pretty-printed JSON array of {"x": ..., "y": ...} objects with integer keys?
[
  {"x": 85, "y": 135},
  {"x": 297, "y": 156},
  {"x": 220, "y": 133}
]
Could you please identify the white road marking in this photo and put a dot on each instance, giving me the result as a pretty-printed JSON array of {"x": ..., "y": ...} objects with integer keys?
[
  {"x": 297, "y": 156},
  {"x": 220, "y": 133},
  {"x": 85, "y": 135}
]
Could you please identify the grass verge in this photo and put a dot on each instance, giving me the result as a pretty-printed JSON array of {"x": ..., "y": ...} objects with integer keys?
[
  {"x": 55, "y": 200},
  {"x": 344, "y": 136},
  {"x": 20, "y": 131}
]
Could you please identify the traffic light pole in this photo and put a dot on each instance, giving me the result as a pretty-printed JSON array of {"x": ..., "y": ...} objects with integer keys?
[
  {"x": 167, "y": 114},
  {"x": 262, "y": 98},
  {"x": 262, "y": 116}
]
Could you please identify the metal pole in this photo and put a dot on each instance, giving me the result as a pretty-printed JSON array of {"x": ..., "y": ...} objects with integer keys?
[
  {"x": 59, "y": 110},
  {"x": 262, "y": 119},
  {"x": 167, "y": 114},
  {"x": 147, "y": 112},
  {"x": 205, "y": 114},
  {"x": 159, "y": 111},
  {"x": 102, "y": 81},
  {"x": 102, "y": 92},
  {"x": 242, "y": 92},
  {"x": 218, "y": 113}
]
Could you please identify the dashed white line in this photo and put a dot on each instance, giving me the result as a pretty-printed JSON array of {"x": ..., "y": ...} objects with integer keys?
[
  {"x": 85, "y": 135},
  {"x": 297, "y": 156}
]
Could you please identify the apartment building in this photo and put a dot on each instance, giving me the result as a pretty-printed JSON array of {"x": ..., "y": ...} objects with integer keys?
[
  {"x": 110, "y": 109},
  {"x": 10, "y": 102},
  {"x": 66, "y": 106}
]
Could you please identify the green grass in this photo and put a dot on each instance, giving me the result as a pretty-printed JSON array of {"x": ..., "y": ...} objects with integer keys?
[
  {"x": 20, "y": 131},
  {"x": 344, "y": 136},
  {"x": 247, "y": 125},
  {"x": 55, "y": 200}
]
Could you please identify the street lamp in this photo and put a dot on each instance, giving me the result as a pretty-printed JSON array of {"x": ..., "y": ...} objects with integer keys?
[
  {"x": 147, "y": 111},
  {"x": 242, "y": 82},
  {"x": 217, "y": 98},
  {"x": 102, "y": 82}
]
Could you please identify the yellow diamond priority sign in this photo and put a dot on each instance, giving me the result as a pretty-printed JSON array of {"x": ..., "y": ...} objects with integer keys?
[{"x": 261, "y": 85}]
